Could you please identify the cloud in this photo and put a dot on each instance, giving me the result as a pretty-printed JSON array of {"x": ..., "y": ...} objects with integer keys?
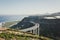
[{"x": 28, "y": 11}]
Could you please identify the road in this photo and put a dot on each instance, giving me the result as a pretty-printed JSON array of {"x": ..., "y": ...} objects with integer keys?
[{"x": 31, "y": 28}]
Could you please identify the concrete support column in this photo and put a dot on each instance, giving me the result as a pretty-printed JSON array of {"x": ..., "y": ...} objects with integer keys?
[{"x": 38, "y": 31}]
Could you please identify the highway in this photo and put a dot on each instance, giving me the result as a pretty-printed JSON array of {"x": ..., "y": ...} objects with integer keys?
[{"x": 31, "y": 28}]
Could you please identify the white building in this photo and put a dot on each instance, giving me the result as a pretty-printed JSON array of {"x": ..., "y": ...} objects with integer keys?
[{"x": 2, "y": 24}]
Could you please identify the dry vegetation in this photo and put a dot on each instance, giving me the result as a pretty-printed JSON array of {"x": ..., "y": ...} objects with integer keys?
[{"x": 10, "y": 34}]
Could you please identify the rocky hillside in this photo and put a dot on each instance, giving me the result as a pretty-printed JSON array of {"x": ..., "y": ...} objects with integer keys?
[{"x": 48, "y": 28}]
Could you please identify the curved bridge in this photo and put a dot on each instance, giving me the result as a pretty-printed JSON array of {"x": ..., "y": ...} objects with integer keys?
[{"x": 34, "y": 29}]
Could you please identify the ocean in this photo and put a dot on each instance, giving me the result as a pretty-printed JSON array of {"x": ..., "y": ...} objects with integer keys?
[{"x": 8, "y": 18}]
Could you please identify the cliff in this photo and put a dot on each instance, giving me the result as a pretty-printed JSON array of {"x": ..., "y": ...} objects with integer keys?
[{"x": 48, "y": 27}]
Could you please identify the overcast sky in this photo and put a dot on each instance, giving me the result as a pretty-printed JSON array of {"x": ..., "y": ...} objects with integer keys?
[{"x": 28, "y": 7}]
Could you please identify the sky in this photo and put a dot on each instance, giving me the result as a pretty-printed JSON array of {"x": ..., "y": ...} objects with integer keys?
[{"x": 28, "y": 7}]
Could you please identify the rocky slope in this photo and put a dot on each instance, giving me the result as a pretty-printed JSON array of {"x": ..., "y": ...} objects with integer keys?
[{"x": 49, "y": 28}]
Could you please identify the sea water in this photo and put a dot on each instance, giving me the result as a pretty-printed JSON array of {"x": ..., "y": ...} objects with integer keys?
[{"x": 6, "y": 18}]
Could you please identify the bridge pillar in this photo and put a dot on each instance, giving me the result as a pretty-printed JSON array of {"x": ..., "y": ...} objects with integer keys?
[{"x": 38, "y": 31}]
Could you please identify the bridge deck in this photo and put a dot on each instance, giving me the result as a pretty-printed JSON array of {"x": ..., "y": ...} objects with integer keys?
[{"x": 31, "y": 28}]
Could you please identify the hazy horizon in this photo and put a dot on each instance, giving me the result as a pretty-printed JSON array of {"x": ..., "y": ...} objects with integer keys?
[{"x": 29, "y": 7}]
